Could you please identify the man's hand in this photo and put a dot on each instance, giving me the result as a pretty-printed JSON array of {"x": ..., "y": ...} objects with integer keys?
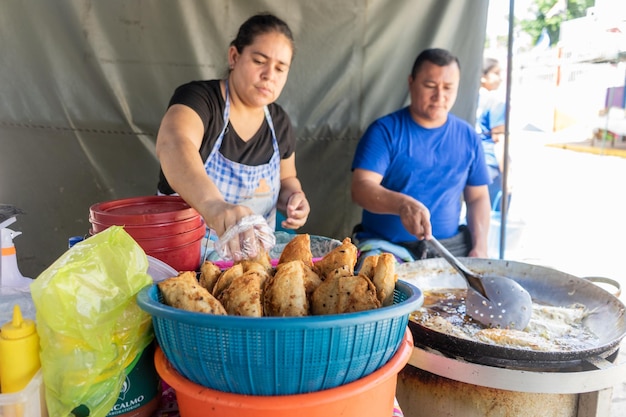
[{"x": 415, "y": 218}]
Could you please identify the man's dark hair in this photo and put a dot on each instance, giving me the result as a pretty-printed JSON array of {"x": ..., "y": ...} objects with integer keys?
[
  {"x": 437, "y": 56},
  {"x": 489, "y": 64}
]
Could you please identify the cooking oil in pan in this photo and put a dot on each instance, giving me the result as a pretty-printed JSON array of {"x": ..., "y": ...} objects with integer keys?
[{"x": 551, "y": 328}]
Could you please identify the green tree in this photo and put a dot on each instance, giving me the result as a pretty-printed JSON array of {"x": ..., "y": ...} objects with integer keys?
[{"x": 549, "y": 15}]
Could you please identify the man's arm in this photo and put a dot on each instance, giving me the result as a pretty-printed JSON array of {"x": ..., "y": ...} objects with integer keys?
[
  {"x": 368, "y": 193},
  {"x": 478, "y": 217}
]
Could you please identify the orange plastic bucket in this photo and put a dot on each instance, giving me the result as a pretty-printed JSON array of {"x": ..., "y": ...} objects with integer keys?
[{"x": 371, "y": 396}]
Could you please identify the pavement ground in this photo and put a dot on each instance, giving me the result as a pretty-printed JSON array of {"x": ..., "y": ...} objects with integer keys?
[{"x": 571, "y": 200}]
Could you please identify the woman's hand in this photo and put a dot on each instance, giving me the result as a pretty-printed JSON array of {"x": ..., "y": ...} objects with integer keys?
[
  {"x": 247, "y": 239},
  {"x": 297, "y": 211},
  {"x": 221, "y": 217}
]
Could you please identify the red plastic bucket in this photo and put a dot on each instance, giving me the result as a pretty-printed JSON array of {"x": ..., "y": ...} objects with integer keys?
[
  {"x": 152, "y": 230},
  {"x": 165, "y": 227},
  {"x": 371, "y": 396},
  {"x": 182, "y": 258},
  {"x": 142, "y": 211},
  {"x": 157, "y": 242}
]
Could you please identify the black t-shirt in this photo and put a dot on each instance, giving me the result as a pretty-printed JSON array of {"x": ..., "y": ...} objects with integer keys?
[{"x": 205, "y": 98}]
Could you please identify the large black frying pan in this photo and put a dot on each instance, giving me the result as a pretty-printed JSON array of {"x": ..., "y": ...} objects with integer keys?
[{"x": 546, "y": 286}]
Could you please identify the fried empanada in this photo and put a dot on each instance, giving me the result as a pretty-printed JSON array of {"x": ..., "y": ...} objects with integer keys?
[
  {"x": 243, "y": 296},
  {"x": 325, "y": 299},
  {"x": 264, "y": 259},
  {"x": 298, "y": 248},
  {"x": 368, "y": 265},
  {"x": 358, "y": 293},
  {"x": 311, "y": 280},
  {"x": 185, "y": 292},
  {"x": 340, "y": 294},
  {"x": 515, "y": 338},
  {"x": 225, "y": 278},
  {"x": 343, "y": 255},
  {"x": 385, "y": 278},
  {"x": 342, "y": 271},
  {"x": 285, "y": 294},
  {"x": 254, "y": 266},
  {"x": 209, "y": 273}
]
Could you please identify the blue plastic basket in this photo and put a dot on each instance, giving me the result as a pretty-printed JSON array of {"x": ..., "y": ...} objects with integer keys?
[{"x": 279, "y": 355}]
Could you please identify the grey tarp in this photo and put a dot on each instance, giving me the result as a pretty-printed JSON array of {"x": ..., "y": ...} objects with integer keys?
[{"x": 84, "y": 85}]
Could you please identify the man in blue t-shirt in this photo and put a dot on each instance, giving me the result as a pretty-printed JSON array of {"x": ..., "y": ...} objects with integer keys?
[{"x": 413, "y": 168}]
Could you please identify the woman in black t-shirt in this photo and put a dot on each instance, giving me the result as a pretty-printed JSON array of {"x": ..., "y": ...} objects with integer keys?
[{"x": 226, "y": 148}]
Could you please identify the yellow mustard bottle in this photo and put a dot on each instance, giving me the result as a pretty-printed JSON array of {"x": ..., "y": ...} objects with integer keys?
[{"x": 19, "y": 352}]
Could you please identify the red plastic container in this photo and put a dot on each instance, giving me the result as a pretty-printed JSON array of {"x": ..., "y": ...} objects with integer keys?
[
  {"x": 152, "y": 230},
  {"x": 142, "y": 211},
  {"x": 165, "y": 227},
  {"x": 182, "y": 258},
  {"x": 170, "y": 241},
  {"x": 371, "y": 396}
]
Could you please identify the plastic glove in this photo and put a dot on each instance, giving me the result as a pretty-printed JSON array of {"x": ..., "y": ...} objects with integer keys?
[{"x": 246, "y": 239}]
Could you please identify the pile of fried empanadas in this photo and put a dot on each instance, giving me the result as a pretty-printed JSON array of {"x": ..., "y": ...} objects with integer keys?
[{"x": 297, "y": 286}]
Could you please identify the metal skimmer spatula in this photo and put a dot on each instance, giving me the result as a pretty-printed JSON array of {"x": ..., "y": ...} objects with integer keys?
[{"x": 494, "y": 301}]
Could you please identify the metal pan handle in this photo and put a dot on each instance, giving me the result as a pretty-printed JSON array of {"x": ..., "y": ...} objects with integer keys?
[{"x": 609, "y": 281}]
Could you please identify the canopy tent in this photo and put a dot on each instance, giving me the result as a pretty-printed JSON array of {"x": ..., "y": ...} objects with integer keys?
[{"x": 85, "y": 84}]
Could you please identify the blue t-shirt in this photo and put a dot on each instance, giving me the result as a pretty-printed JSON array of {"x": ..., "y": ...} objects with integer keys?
[
  {"x": 431, "y": 165},
  {"x": 491, "y": 112}
]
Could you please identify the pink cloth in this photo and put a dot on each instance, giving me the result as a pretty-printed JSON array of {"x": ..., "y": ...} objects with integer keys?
[{"x": 397, "y": 412}]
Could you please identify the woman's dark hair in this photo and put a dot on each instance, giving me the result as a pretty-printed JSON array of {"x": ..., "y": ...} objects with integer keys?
[
  {"x": 261, "y": 24},
  {"x": 489, "y": 64},
  {"x": 437, "y": 56}
]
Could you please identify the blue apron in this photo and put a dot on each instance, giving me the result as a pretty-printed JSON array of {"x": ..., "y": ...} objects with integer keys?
[{"x": 256, "y": 187}]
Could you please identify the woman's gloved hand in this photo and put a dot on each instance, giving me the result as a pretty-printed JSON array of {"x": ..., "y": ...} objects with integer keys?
[{"x": 246, "y": 239}]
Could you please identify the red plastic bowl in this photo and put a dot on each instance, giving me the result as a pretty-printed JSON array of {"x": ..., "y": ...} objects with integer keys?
[
  {"x": 142, "y": 210},
  {"x": 171, "y": 241},
  {"x": 182, "y": 258},
  {"x": 148, "y": 231}
]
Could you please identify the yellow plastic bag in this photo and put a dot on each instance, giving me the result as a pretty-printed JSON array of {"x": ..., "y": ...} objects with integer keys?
[{"x": 89, "y": 324}]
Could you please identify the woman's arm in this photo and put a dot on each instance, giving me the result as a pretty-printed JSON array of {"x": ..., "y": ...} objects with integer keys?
[
  {"x": 292, "y": 200},
  {"x": 177, "y": 147}
]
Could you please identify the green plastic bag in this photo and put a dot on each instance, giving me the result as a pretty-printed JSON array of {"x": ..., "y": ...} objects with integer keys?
[{"x": 89, "y": 324}]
